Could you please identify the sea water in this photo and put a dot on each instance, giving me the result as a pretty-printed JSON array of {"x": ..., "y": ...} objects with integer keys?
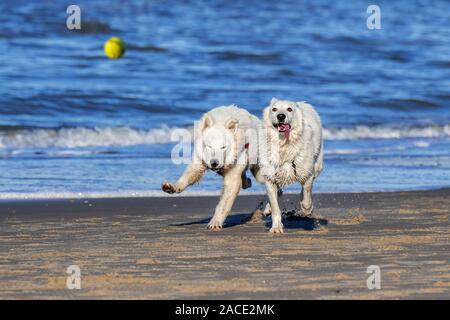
[{"x": 76, "y": 124}]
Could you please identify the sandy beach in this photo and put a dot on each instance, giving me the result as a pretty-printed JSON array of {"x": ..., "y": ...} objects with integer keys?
[{"x": 159, "y": 248}]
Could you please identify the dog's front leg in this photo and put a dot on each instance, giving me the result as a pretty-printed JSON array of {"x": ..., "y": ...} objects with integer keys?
[
  {"x": 272, "y": 193},
  {"x": 192, "y": 174},
  {"x": 232, "y": 183}
]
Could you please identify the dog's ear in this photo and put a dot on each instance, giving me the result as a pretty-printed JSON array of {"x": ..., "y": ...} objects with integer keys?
[
  {"x": 299, "y": 114},
  {"x": 232, "y": 124},
  {"x": 273, "y": 101},
  {"x": 205, "y": 122},
  {"x": 299, "y": 105},
  {"x": 266, "y": 116}
]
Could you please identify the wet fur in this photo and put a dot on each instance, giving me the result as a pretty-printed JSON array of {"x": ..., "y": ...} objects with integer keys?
[
  {"x": 298, "y": 158},
  {"x": 233, "y": 172}
]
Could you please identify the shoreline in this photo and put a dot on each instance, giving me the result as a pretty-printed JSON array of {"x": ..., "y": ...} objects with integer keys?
[
  {"x": 79, "y": 196},
  {"x": 159, "y": 248}
]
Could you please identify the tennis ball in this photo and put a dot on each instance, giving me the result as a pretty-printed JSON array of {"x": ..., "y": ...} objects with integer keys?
[{"x": 114, "y": 48}]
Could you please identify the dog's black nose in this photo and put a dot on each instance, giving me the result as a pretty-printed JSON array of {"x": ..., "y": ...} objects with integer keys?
[
  {"x": 214, "y": 163},
  {"x": 281, "y": 117}
]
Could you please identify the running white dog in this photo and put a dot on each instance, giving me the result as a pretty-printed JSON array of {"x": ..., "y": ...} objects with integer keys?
[
  {"x": 290, "y": 150},
  {"x": 223, "y": 144}
]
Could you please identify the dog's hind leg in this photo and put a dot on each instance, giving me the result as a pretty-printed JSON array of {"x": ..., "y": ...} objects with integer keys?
[
  {"x": 256, "y": 172},
  {"x": 246, "y": 182},
  {"x": 192, "y": 174},
  {"x": 232, "y": 182},
  {"x": 318, "y": 166},
  {"x": 268, "y": 210},
  {"x": 306, "y": 196}
]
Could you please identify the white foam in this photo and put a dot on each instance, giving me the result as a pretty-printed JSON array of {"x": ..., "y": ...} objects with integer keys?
[
  {"x": 422, "y": 144},
  {"x": 83, "y": 137},
  {"x": 106, "y": 194},
  {"x": 341, "y": 151},
  {"x": 125, "y": 136},
  {"x": 380, "y": 132}
]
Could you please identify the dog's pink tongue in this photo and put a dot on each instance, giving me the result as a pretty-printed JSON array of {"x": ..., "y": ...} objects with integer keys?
[{"x": 285, "y": 128}]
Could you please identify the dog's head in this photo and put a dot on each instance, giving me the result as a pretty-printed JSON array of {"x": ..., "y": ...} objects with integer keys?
[
  {"x": 281, "y": 115},
  {"x": 218, "y": 142}
]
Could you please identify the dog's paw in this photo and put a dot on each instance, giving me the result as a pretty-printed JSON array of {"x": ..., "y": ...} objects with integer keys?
[
  {"x": 214, "y": 225},
  {"x": 277, "y": 229},
  {"x": 170, "y": 188}
]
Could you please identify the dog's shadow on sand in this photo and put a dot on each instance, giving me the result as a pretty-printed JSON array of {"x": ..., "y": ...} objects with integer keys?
[
  {"x": 290, "y": 221},
  {"x": 295, "y": 221},
  {"x": 232, "y": 220}
]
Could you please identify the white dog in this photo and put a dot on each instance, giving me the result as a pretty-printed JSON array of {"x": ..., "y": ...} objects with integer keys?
[
  {"x": 290, "y": 150},
  {"x": 223, "y": 144}
]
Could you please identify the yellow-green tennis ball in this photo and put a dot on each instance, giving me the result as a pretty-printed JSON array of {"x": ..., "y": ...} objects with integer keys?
[{"x": 114, "y": 48}]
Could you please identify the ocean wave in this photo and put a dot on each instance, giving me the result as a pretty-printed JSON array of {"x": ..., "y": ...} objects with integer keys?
[
  {"x": 8, "y": 196},
  {"x": 250, "y": 56},
  {"x": 23, "y": 138},
  {"x": 381, "y": 132},
  {"x": 147, "y": 47},
  {"x": 95, "y": 27},
  {"x": 82, "y": 137}
]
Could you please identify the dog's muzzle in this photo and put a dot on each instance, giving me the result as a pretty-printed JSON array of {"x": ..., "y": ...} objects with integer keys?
[
  {"x": 281, "y": 117},
  {"x": 283, "y": 128},
  {"x": 214, "y": 165}
]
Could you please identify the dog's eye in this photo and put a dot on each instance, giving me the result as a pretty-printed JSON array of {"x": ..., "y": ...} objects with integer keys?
[
  {"x": 274, "y": 109},
  {"x": 289, "y": 109},
  {"x": 224, "y": 147}
]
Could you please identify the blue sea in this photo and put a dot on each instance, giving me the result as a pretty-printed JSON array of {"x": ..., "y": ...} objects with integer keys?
[{"x": 76, "y": 124}]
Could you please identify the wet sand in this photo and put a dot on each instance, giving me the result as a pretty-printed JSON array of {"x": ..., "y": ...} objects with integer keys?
[{"x": 159, "y": 248}]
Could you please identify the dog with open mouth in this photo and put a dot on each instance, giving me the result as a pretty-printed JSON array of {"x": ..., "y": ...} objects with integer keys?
[{"x": 290, "y": 150}]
